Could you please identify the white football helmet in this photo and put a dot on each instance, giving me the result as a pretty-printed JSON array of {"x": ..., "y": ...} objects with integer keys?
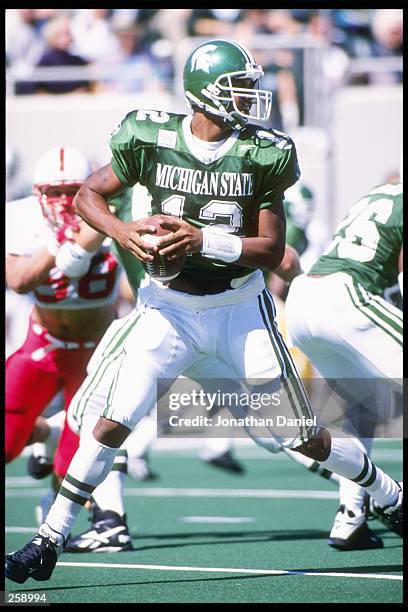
[{"x": 57, "y": 177}]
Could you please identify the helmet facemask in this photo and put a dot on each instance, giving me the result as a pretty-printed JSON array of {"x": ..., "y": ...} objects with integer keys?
[
  {"x": 57, "y": 206},
  {"x": 226, "y": 92},
  {"x": 222, "y": 95},
  {"x": 58, "y": 175}
]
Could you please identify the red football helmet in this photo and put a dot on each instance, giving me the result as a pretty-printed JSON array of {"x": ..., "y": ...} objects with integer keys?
[{"x": 58, "y": 175}]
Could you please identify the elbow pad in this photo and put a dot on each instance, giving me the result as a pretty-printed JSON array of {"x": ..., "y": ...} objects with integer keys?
[{"x": 73, "y": 260}]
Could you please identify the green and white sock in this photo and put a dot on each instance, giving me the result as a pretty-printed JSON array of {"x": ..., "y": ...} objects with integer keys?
[{"x": 89, "y": 467}]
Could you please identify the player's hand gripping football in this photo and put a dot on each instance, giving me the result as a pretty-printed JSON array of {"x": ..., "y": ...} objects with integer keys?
[
  {"x": 184, "y": 239},
  {"x": 129, "y": 236}
]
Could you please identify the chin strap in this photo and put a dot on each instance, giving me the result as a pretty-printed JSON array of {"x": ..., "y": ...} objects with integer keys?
[
  {"x": 236, "y": 121},
  {"x": 232, "y": 119}
]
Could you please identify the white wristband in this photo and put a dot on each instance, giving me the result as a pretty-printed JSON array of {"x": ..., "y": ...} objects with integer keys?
[
  {"x": 218, "y": 244},
  {"x": 400, "y": 281},
  {"x": 73, "y": 260}
]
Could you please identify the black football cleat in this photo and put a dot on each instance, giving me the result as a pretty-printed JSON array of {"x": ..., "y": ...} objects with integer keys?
[
  {"x": 391, "y": 516},
  {"x": 139, "y": 469},
  {"x": 39, "y": 466},
  {"x": 227, "y": 462},
  {"x": 37, "y": 559},
  {"x": 108, "y": 533}
]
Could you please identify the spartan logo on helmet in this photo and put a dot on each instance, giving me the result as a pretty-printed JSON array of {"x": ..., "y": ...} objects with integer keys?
[
  {"x": 201, "y": 60},
  {"x": 221, "y": 77}
]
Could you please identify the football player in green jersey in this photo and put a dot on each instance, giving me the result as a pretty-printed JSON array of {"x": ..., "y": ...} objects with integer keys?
[
  {"x": 222, "y": 180},
  {"x": 350, "y": 332}
]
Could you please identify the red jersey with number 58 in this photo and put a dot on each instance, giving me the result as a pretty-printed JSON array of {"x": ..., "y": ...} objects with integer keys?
[{"x": 26, "y": 233}]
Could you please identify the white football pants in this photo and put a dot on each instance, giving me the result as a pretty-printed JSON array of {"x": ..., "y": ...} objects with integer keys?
[{"x": 228, "y": 335}]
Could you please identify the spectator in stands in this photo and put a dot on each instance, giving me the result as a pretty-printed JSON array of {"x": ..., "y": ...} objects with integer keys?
[
  {"x": 213, "y": 22},
  {"x": 140, "y": 17},
  {"x": 283, "y": 67},
  {"x": 351, "y": 30},
  {"x": 387, "y": 30},
  {"x": 58, "y": 36},
  {"x": 23, "y": 40},
  {"x": 137, "y": 70},
  {"x": 93, "y": 37},
  {"x": 369, "y": 33},
  {"x": 171, "y": 24},
  {"x": 24, "y": 44},
  {"x": 335, "y": 59}
]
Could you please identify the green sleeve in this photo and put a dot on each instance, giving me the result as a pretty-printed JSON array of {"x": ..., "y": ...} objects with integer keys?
[
  {"x": 126, "y": 150},
  {"x": 279, "y": 176}
]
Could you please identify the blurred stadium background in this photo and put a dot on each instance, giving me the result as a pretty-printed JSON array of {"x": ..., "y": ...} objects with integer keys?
[{"x": 336, "y": 77}]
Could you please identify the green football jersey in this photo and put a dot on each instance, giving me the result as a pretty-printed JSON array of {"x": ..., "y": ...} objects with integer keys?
[
  {"x": 367, "y": 243},
  {"x": 249, "y": 171},
  {"x": 131, "y": 265}
]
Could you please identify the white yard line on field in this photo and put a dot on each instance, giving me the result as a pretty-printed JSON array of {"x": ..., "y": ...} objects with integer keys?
[
  {"x": 196, "y": 492},
  {"x": 21, "y": 529},
  {"x": 228, "y": 570},
  {"x": 228, "y": 520}
]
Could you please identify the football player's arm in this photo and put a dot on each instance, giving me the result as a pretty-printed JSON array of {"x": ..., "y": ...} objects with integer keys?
[
  {"x": 267, "y": 250},
  {"x": 88, "y": 238},
  {"x": 74, "y": 257},
  {"x": 279, "y": 280},
  {"x": 91, "y": 204},
  {"x": 24, "y": 273},
  {"x": 289, "y": 267}
]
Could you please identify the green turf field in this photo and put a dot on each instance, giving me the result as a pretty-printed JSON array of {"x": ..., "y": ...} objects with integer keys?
[{"x": 202, "y": 535}]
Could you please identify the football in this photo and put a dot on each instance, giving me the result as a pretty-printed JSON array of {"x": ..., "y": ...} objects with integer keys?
[{"x": 161, "y": 268}]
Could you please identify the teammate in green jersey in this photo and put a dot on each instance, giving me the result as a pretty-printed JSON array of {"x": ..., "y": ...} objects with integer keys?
[
  {"x": 350, "y": 332},
  {"x": 224, "y": 179},
  {"x": 368, "y": 241}
]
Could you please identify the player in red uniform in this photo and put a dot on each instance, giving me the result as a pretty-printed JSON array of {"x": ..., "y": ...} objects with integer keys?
[{"x": 73, "y": 305}]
